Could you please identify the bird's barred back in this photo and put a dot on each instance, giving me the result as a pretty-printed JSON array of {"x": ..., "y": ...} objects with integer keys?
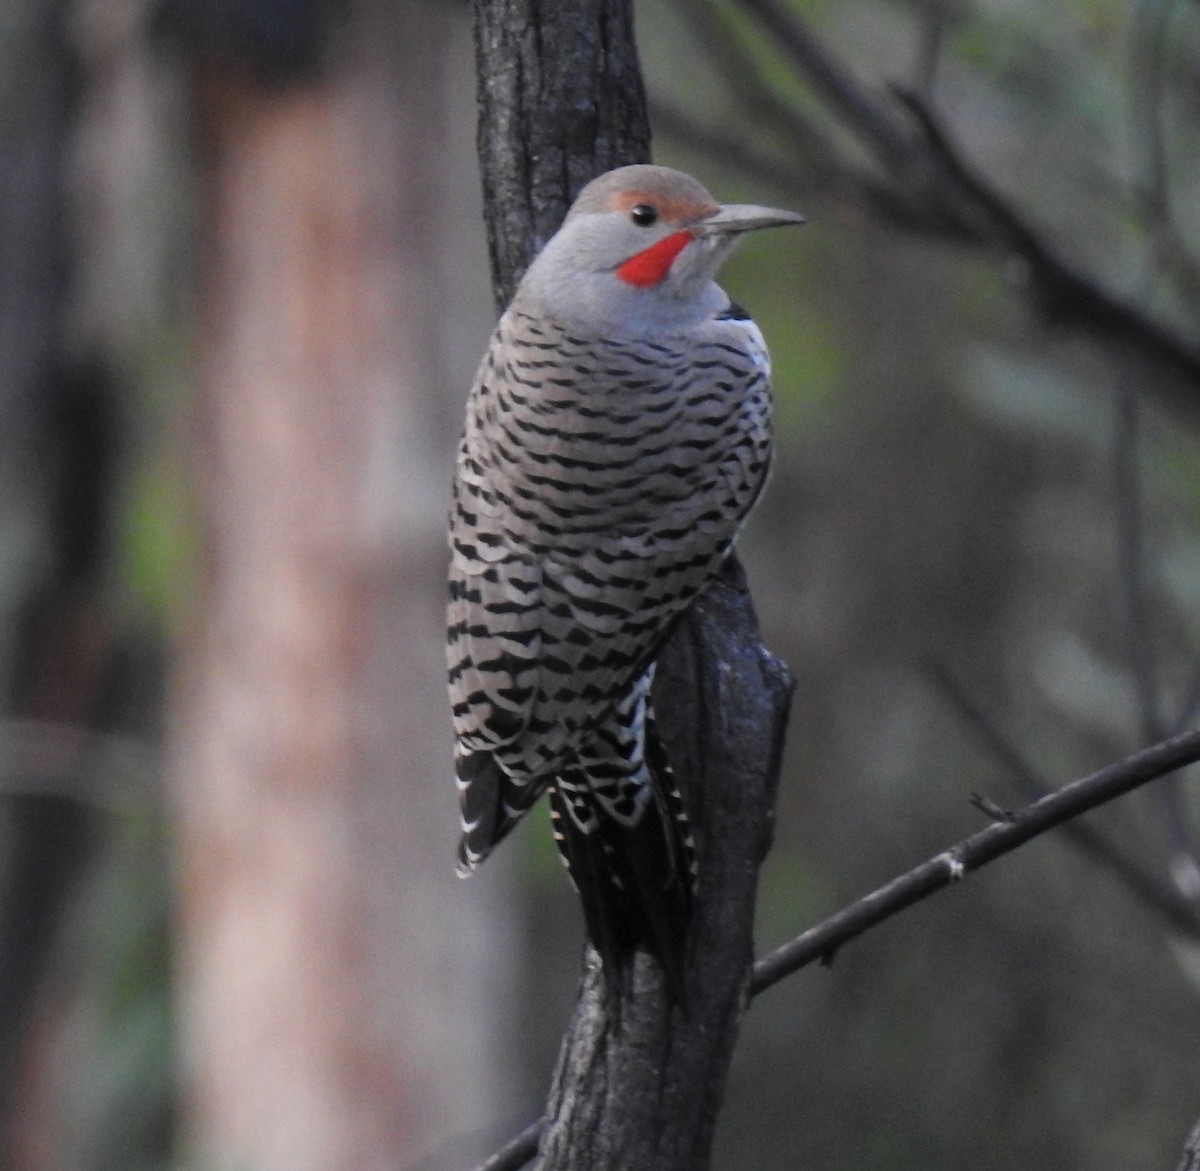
[{"x": 600, "y": 484}]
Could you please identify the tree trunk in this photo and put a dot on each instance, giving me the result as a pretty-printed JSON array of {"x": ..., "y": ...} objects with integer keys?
[
  {"x": 59, "y": 453},
  {"x": 639, "y": 1082},
  {"x": 560, "y": 101},
  {"x": 338, "y": 982}
]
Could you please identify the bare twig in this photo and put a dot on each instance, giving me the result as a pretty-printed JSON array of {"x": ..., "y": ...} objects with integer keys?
[
  {"x": 845, "y": 189},
  {"x": 1066, "y": 295},
  {"x": 823, "y": 940},
  {"x": 517, "y": 1151},
  {"x": 735, "y": 150},
  {"x": 934, "y": 20},
  {"x": 1002, "y": 837},
  {"x": 935, "y": 191},
  {"x": 740, "y": 74},
  {"x": 1151, "y": 19},
  {"x": 1131, "y": 576},
  {"x": 1028, "y": 780},
  {"x": 1189, "y": 706},
  {"x": 1152, "y": 200},
  {"x": 1161, "y": 898},
  {"x": 1138, "y": 633},
  {"x": 859, "y": 109}
]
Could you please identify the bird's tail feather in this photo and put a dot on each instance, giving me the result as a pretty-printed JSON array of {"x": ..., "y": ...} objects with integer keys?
[
  {"x": 635, "y": 879},
  {"x": 491, "y": 803}
]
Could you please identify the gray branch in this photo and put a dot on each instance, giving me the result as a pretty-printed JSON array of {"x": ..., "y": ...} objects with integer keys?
[{"x": 1013, "y": 830}]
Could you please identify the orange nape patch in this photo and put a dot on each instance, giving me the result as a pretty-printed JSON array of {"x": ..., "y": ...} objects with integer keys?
[
  {"x": 648, "y": 267},
  {"x": 673, "y": 210}
]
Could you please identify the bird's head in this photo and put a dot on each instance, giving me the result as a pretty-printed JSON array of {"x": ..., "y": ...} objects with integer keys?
[{"x": 641, "y": 247}]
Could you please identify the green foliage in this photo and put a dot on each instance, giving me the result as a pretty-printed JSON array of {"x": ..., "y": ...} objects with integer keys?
[{"x": 154, "y": 542}]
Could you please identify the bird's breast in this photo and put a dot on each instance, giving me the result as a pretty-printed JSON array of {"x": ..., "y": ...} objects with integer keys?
[{"x": 580, "y": 435}]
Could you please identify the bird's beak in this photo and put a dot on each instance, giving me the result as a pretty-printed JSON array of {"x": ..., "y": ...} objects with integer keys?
[{"x": 744, "y": 217}]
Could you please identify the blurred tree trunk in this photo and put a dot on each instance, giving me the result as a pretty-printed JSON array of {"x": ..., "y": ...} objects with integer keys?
[
  {"x": 58, "y": 457},
  {"x": 338, "y": 983}
]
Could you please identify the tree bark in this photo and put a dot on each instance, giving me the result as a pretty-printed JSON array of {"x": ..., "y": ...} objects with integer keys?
[
  {"x": 536, "y": 152},
  {"x": 639, "y": 1081}
]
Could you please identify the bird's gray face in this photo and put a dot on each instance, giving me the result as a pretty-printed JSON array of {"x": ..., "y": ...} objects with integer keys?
[
  {"x": 637, "y": 238},
  {"x": 633, "y": 252}
]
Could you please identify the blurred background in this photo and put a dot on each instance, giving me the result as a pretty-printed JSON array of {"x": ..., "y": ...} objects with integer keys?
[{"x": 243, "y": 289}]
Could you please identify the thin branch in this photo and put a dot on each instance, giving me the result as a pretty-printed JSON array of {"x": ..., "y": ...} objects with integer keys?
[
  {"x": 1151, "y": 187},
  {"x": 837, "y": 187},
  {"x": 868, "y": 117},
  {"x": 517, "y": 1151},
  {"x": 1164, "y": 900},
  {"x": 1152, "y": 202},
  {"x": 945, "y": 196},
  {"x": 823, "y": 940},
  {"x": 1028, "y": 779},
  {"x": 735, "y": 150},
  {"x": 1066, "y": 294},
  {"x": 1138, "y": 634},
  {"x": 934, "y": 21},
  {"x": 1146, "y": 93},
  {"x": 1137, "y": 629},
  {"x": 847, "y": 186},
  {"x": 845, "y": 189},
  {"x": 1189, "y": 706},
  {"x": 740, "y": 74}
]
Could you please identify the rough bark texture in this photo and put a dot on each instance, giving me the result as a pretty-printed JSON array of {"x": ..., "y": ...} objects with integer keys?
[
  {"x": 639, "y": 1082},
  {"x": 561, "y": 100}
]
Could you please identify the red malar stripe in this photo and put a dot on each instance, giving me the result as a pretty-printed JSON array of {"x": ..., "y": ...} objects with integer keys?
[{"x": 649, "y": 266}]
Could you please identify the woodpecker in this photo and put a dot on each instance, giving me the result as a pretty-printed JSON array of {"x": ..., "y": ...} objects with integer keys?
[{"x": 617, "y": 434}]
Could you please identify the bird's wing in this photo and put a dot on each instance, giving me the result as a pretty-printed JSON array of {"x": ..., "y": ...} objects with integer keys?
[
  {"x": 494, "y": 643},
  {"x": 536, "y": 666}
]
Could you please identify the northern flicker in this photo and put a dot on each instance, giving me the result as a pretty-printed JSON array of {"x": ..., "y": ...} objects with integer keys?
[{"x": 618, "y": 432}]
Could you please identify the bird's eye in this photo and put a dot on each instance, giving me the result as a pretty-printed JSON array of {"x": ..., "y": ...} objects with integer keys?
[{"x": 643, "y": 215}]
